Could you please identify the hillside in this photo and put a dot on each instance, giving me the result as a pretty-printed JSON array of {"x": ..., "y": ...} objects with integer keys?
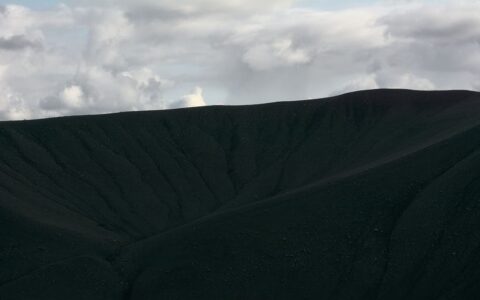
[{"x": 367, "y": 195}]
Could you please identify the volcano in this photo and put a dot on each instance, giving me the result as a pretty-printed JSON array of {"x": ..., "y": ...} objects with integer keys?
[{"x": 368, "y": 195}]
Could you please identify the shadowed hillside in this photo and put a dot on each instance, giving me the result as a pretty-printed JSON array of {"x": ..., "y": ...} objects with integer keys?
[{"x": 368, "y": 195}]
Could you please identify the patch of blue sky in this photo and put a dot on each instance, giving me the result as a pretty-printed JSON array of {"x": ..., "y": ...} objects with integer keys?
[{"x": 33, "y": 4}]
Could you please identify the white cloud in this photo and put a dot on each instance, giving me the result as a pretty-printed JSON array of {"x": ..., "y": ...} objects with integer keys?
[
  {"x": 12, "y": 106},
  {"x": 194, "y": 99},
  {"x": 15, "y": 20},
  {"x": 73, "y": 97},
  {"x": 99, "y": 90},
  {"x": 108, "y": 29}
]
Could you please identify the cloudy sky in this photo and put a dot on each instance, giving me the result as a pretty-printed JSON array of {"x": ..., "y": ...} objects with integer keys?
[{"x": 81, "y": 56}]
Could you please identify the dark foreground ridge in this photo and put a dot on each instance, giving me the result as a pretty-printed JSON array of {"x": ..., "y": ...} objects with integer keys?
[{"x": 368, "y": 195}]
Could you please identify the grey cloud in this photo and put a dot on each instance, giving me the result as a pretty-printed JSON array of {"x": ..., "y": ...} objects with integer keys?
[
  {"x": 51, "y": 103},
  {"x": 446, "y": 24},
  {"x": 149, "y": 13},
  {"x": 18, "y": 42}
]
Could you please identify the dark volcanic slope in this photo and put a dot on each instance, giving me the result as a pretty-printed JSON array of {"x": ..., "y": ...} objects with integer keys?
[{"x": 369, "y": 195}]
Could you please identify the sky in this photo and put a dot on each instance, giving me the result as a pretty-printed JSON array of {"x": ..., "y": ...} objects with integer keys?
[{"x": 75, "y": 57}]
